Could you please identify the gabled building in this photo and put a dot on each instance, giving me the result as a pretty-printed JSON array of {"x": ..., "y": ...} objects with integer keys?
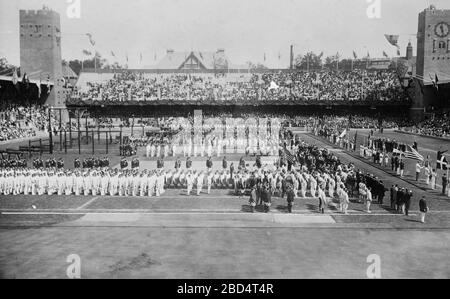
[{"x": 194, "y": 60}]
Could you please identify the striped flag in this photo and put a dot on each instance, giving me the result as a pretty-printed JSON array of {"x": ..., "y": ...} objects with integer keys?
[
  {"x": 289, "y": 156},
  {"x": 410, "y": 153}
]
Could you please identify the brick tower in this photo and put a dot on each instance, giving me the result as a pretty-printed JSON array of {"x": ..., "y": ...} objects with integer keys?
[{"x": 40, "y": 50}]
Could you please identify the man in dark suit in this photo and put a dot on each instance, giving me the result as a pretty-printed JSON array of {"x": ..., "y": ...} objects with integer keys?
[
  {"x": 209, "y": 163},
  {"x": 178, "y": 164},
  {"x": 188, "y": 163},
  {"x": 290, "y": 198},
  {"x": 423, "y": 208},
  {"x": 224, "y": 163},
  {"x": 444, "y": 183},
  {"x": 407, "y": 196}
]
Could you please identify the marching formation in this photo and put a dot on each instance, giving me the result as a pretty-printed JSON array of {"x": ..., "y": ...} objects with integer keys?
[{"x": 319, "y": 174}]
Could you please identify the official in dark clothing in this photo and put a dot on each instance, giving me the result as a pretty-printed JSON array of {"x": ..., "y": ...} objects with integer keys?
[
  {"x": 188, "y": 163},
  {"x": 178, "y": 163},
  {"x": 209, "y": 163},
  {"x": 224, "y": 163},
  {"x": 423, "y": 208},
  {"x": 160, "y": 163},
  {"x": 290, "y": 198},
  {"x": 444, "y": 183},
  {"x": 407, "y": 197},
  {"x": 392, "y": 191}
]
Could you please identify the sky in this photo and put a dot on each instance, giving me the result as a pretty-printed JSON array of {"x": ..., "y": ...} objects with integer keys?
[{"x": 246, "y": 29}]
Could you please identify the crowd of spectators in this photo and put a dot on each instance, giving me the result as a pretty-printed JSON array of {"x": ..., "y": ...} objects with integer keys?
[
  {"x": 282, "y": 86},
  {"x": 438, "y": 126},
  {"x": 22, "y": 122}
]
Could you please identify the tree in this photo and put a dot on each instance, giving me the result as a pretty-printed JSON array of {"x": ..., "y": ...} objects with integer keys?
[
  {"x": 257, "y": 66},
  {"x": 309, "y": 61},
  {"x": 5, "y": 67},
  {"x": 330, "y": 62},
  {"x": 102, "y": 63}
]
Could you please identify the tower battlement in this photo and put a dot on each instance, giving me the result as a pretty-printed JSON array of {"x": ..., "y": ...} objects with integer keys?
[{"x": 40, "y": 49}]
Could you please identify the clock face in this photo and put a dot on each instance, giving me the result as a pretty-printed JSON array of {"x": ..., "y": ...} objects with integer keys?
[{"x": 442, "y": 29}]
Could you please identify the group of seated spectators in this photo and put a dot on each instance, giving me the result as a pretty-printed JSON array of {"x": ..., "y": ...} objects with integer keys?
[
  {"x": 438, "y": 126},
  {"x": 22, "y": 122},
  {"x": 307, "y": 86}
]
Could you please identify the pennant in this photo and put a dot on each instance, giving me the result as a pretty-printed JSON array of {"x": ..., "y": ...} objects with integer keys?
[
  {"x": 392, "y": 39},
  {"x": 354, "y": 55},
  {"x": 39, "y": 87},
  {"x": 15, "y": 78},
  {"x": 48, "y": 84},
  {"x": 435, "y": 81},
  {"x": 112, "y": 54},
  {"x": 140, "y": 57},
  {"x": 87, "y": 53},
  {"x": 91, "y": 40},
  {"x": 385, "y": 54}
]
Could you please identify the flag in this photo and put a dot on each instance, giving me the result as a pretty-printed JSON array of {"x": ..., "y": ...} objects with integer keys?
[
  {"x": 25, "y": 81},
  {"x": 343, "y": 133},
  {"x": 442, "y": 163},
  {"x": 392, "y": 39},
  {"x": 112, "y": 54},
  {"x": 39, "y": 87},
  {"x": 411, "y": 153},
  {"x": 155, "y": 57},
  {"x": 289, "y": 156},
  {"x": 140, "y": 57},
  {"x": 48, "y": 84},
  {"x": 273, "y": 85},
  {"x": 126, "y": 56},
  {"x": 440, "y": 159},
  {"x": 398, "y": 52},
  {"x": 385, "y": 54},
  {"x": 435, "y": 81},
  {"x": 15, "y": 77},
  {"x": 87, "y": 53},
  {"x": 264, "y": 56},
  {"x": 91, "y": 40},
  {"x": 354, "y": 55},
  {"x": 368, "y": 55}
]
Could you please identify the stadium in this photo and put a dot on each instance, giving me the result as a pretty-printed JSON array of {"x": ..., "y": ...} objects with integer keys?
[{"x": 196, "y": 166}]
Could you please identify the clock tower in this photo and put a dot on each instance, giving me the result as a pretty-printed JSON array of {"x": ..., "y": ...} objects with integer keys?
[
  {"x": 433, "y": 59},
  {"x": 433, "y": 45}
]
